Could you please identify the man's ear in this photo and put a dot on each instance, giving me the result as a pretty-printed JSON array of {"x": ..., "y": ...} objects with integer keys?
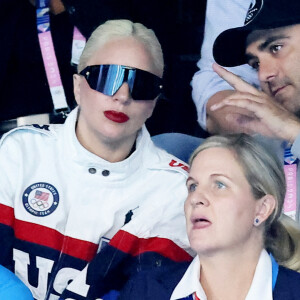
[
  {"x": 265, "y": 207},
  {"x": 76, "y": 85}
]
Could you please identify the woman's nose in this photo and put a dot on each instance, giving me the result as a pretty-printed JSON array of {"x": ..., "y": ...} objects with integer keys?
[
  {"x": 199, "y": 198},
  {"x": 123, "y": 94}
]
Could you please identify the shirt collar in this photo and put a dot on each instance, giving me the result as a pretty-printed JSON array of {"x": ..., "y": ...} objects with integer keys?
[
  {"x": 261, "y": 286},
  {"x": 78, "y": 154},
  {"x": 190, "y": 282}
]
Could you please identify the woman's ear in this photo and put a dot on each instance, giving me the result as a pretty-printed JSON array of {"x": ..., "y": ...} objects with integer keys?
[
  {"x": 265, "y": 207},
  {"x": 76, "y": 84}
]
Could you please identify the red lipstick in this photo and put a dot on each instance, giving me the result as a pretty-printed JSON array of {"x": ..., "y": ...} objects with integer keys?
[{"x": 116, "y": 116}]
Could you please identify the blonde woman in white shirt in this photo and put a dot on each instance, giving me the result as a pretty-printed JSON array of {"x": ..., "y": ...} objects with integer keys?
[{"x": 233, "y": 210}]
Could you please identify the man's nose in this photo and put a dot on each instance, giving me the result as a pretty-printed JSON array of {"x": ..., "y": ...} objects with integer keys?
[{"x": 268, "y": 68}]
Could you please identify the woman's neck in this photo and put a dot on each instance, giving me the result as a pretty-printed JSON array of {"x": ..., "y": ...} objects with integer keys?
[
  {"x": 112, "y": 151},
  {"x": 229, "y": 276}
]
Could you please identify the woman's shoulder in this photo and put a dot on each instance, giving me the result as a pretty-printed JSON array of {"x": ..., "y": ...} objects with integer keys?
[
  {"x": 288, "y": 273},
  {"x": 28, "y": 133},
  {"x": 287, "y": 285},
  {"x": 157, "y": 156},
  {"x": 30, "y": 139}
]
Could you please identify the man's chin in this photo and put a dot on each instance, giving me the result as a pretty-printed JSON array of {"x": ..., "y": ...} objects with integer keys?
[{"x": 291, "y": 104}]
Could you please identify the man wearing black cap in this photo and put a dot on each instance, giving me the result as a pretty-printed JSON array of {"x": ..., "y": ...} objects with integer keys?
[{"x": 270, "y": 43}]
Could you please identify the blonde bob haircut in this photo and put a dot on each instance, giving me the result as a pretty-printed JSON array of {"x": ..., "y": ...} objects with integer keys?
[
  {"x": 119, "y": 29},
  {"x": 265, "y": 175}
]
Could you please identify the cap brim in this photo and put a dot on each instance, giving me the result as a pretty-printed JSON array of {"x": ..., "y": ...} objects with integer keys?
[{"x": 229, "y": 47}]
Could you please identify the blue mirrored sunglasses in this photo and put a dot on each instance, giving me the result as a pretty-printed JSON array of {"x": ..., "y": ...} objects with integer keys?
[{"x": 107, "y": 79}]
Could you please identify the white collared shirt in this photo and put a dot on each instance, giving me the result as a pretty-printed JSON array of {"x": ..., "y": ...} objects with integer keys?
[{"x": 261, "y": 286}]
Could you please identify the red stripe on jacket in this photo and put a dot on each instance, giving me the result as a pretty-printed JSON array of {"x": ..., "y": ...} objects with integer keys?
[
  {"x": 122, "y": 240},
  {"x": 134, "y": 245},
  {"x": 45, "y": 236}
]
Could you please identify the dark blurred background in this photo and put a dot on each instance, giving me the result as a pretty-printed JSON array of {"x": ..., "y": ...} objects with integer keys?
[
  {"x": 177, "y": 112},
  {"x": 24, "y": 89}
]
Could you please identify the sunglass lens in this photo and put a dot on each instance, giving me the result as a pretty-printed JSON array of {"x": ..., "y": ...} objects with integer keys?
[{"x": 107, "y": 79}]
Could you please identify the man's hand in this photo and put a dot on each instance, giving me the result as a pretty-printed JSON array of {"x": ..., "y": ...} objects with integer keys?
[
  {"x": 258, "y": 112},
  {"x": 227, "y": 119}
]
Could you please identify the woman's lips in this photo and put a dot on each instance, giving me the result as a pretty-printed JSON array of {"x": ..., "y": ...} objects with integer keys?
[
  {"x": 200, "y": 223},
  {"x": 116, "y": 116}
]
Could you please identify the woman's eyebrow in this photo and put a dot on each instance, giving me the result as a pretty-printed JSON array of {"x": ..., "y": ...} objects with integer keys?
[{"x": 190, "y": 178}]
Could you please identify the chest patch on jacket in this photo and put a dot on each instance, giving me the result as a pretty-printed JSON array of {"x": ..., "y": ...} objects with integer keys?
[{"x": 40, "y": 199}]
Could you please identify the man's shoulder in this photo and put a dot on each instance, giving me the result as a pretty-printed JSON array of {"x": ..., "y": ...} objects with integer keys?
[{"x": 270, "y": 144}]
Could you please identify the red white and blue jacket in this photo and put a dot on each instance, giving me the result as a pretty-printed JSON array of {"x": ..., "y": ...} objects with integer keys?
[{"x": 62, "y": 207}]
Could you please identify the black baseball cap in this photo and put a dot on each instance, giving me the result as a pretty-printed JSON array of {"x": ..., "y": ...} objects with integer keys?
[{"x": 230, "y": 46}]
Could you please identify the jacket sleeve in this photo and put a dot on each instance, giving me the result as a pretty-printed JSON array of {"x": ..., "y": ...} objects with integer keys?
[
  {"x": 9, "y": 151},
  {"x": 143, "y": 253},
  {"x": 132, "y": 268}
]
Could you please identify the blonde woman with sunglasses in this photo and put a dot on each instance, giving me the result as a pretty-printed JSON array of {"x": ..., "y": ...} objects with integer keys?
[{"x": 96, "y": 184}]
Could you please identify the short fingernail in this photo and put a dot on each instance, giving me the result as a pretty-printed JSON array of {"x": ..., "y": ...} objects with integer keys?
[{"x": 213, "y": 107}]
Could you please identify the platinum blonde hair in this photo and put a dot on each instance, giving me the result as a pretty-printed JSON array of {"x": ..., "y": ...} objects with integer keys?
[
  {"x": 119, "y": 29},
  {"x": 265, "y": 175}
]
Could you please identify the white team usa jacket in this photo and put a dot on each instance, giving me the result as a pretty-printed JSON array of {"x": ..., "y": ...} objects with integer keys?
[{"x": 61, "y": 206}]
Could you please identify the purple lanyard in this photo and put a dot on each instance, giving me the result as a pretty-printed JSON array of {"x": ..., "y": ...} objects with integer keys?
[
  {"x": 290, "y": 171},
  {"x": 50, "y": 62},
  {"x": 77, "y": 46}
]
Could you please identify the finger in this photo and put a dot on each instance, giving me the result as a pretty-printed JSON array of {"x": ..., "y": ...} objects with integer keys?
[
  {"x": 238, "y": 99},
  {"x": 256, "y": 126},
  {"x": 236, "y": 110},
  {"x": 250, "y": 105},
  {"x": 235, "y": 81},
  {"x": 259, "y": 98}
]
